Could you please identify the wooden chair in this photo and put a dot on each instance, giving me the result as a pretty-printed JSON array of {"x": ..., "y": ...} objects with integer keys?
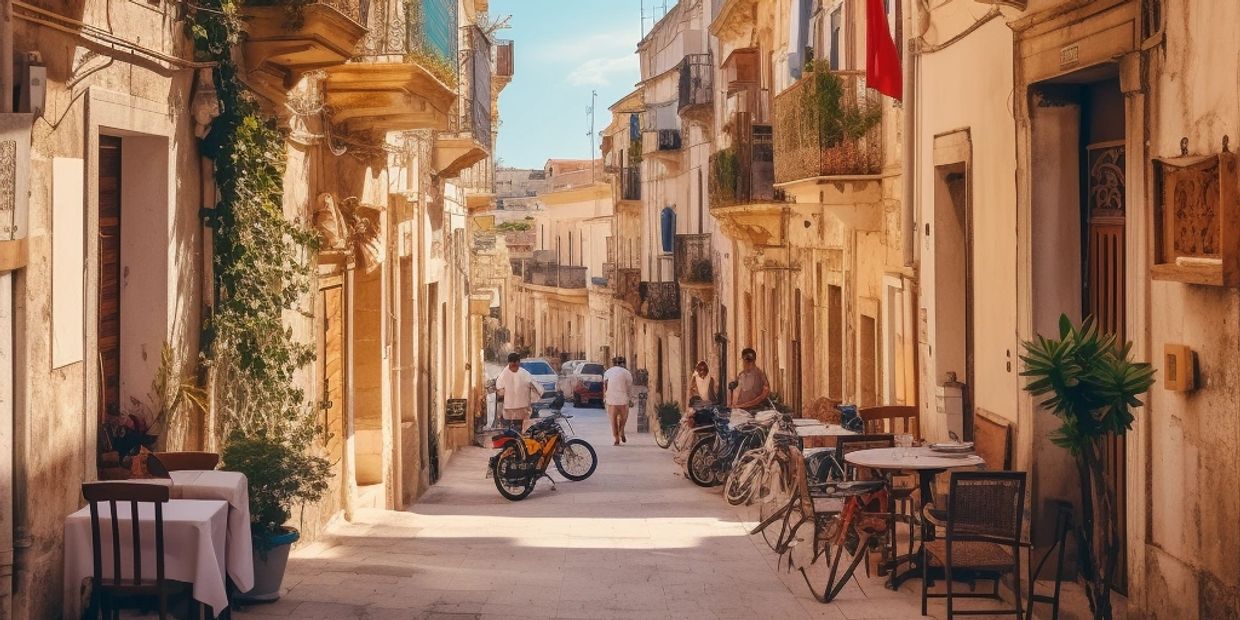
[
  {"x": 106, "y": 594},
  {"x": 992, "y": 439},
  {"x": 985, "y": 516},
  {"x": 180, "y": 461},
  {"x": 893, "y": 419}
]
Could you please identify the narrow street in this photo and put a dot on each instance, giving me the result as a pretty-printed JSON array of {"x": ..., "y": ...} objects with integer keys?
[{"x": 636, "y": 540}]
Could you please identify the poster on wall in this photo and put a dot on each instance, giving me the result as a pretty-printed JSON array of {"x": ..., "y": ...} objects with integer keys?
[{"x": 455, "y": 411}]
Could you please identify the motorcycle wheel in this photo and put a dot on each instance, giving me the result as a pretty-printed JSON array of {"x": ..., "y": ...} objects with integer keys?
[
  {"x": 703, "y": 463},
  {"x": 513, "y": 489},
  {"x": 577, "y": 461}
]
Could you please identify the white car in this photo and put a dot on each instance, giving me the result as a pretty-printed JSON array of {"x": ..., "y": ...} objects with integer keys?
[{"x": 545, "y": 375}]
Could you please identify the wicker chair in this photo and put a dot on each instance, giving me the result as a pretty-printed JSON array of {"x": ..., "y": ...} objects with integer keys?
[
  {"x": 985, "y": 517},
  {"x": 180, "y": 461}
]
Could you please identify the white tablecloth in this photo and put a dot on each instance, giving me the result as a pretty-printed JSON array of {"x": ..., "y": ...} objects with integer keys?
[
  {"x": 229, "y": 486},
  {"x": 822, "y": 430},
  {"x": 194, "y": 540},
  {"x": 911, "y": 459}
]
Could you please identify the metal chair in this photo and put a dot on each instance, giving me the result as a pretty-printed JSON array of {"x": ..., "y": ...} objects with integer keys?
[
  {"x": 180, "y": 461},
  {"x": 985, "y": 516},
  {"x": 106, "y": 594}
]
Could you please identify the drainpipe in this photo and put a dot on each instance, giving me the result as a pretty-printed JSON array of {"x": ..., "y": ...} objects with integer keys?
[
  {"x": 7, "y": 422},
  {"x": 908, "y": 169}
]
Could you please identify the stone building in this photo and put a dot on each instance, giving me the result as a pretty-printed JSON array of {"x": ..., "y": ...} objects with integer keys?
[
  {"x": 106, "y": 258},
  {"x": 1077, "y": 163}
]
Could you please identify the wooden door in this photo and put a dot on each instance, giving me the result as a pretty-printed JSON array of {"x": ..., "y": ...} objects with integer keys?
[
  {"x": 331, "y": 371},
  {"x": 1104, "y": 298},
  {"x": 109, "y": 316}
]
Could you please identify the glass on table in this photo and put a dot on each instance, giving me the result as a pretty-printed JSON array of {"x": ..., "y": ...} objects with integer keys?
[{"x": 903, "y": 443}]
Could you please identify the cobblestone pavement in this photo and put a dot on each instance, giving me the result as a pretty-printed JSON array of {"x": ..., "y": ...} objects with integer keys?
[{"x": 636, "y": 540}]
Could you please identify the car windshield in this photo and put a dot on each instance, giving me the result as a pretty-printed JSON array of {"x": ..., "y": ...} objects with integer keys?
[
  {"x": 537, "y": 367},
  {"x": 592, "y": 369}
]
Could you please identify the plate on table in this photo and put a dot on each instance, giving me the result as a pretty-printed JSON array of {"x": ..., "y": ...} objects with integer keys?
[{"x": 952, "y": 447}]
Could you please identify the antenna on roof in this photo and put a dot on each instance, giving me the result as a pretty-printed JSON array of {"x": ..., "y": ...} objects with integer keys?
[
  {"x": 658, "y": 8},
  {"x": 590, "y": 111}
]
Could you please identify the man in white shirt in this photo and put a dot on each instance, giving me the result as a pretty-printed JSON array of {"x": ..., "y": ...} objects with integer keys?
[
  {"x": 617, "y": 387},
  {"x": 515, "y": 385}
]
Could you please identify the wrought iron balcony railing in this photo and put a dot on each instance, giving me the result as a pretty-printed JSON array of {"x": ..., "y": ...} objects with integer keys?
[
  {"x": 609, "y": 273},
  {"x": 669, "y": 140},
  {"x": 827, "y": 124},
  {"x": 627, "y": 284},
  {"x": 475, "y": 114},
  {"x": 558, "y": 276},
  {"x": 659, "y": 301},
  {"x": 423, "y": 31},
  {"x": 693, "y": 259},
  {"x": 478, "y": 178},
  {"x": 631, "y": 183},
  {"x": 696, "y": 81},
  {"x": 743, "y": 173}
]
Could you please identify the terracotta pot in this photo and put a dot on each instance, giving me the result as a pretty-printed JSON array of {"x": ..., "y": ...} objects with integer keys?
[{"x": 269, "y": 566}]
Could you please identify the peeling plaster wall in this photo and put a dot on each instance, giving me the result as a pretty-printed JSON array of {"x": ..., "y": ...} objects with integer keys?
[
  {"x": 1191, "y": 568},
  {"x": 56, "y": 408}
]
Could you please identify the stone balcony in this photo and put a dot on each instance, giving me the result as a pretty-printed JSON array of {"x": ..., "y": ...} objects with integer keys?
[
  {"x": 626, "y": 286},
  {"x": 555, "y": 276},
  {"x": 280, "y": 46},
  {"x": 694, "y": 266}
]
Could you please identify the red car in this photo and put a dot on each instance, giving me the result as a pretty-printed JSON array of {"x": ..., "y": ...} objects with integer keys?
[{"x": 585, "y": 384}]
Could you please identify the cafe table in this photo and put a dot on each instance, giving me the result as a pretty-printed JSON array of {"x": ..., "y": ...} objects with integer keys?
[
  {"x": 923, "y": 461},
  {"x": 230, "y": 487},
  {"x": 195, "y": 535},
  {"x": 822, "y": 430}
]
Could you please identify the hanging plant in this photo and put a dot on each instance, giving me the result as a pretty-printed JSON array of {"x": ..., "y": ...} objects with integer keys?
[{"x": 261, "y": 270}]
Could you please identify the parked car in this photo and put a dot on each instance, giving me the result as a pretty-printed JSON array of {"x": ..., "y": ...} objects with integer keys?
[
  {"x": 584, "y": 384},
  {"x": 545, "y": 375}
]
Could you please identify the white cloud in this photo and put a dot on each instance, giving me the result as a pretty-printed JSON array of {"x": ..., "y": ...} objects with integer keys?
[{"x": 600, "y": 71}]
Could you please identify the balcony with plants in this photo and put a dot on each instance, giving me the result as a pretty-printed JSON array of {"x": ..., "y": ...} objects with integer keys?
[
  {"x": 285, "y": 41},
  {"x": 828, "y": 124},
  {"x": 659, "y": 301},
  {"x": 694, "y": 266},
  {"x": 404, "y": 73},
  {"x": 742, "y": 173}
]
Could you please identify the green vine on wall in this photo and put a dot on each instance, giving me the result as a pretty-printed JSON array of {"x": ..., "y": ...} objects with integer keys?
[{"x": 261, "y": 265}]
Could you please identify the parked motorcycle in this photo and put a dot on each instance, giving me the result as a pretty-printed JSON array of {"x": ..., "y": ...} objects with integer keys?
[{"x": 523, "y": 459}]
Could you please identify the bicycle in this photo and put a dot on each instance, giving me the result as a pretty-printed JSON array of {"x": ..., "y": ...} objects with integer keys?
[
  {"x": 749, "y": 477},
  {"x": 712, "y": 457}
]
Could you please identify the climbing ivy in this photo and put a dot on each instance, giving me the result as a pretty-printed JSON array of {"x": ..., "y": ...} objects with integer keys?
[{"x": 261, "y": 258}]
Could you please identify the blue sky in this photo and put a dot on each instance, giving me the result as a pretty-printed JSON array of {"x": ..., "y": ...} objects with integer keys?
[{"x": 564, "y": 49}]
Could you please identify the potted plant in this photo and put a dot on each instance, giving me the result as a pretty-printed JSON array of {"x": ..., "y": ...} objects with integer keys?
[
  {"x": 1091, "y": 384},
  {"x": 281, "y": 473}
]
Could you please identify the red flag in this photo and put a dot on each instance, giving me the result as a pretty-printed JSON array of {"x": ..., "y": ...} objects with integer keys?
[{"x": 882, "y": 62}]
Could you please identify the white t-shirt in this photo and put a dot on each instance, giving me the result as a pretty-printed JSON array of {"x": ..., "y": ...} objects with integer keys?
[
  {"x": 517, "y": 386},
  {"x": 619, "y": 383}
]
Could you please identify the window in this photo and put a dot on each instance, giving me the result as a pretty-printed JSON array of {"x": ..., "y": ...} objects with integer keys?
[
  {"x": 537, "y": 367},
  {"x": 837, "y": 36}
]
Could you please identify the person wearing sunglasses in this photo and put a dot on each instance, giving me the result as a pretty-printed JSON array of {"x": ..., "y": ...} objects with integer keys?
[{"x": 751, "y": 387}]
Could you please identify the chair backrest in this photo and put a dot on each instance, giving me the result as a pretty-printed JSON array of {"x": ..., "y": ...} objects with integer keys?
[
  {"x": 986, "y": 505},
  {"x": 894, "y": 419},
  {"x": 179, "y": 461},
  {"x": 992, "y": 439},
  {"x": 112, "y": 493},
  {"x": 852, "y": 443}
]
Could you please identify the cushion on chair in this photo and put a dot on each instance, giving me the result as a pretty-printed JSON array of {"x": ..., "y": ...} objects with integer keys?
[{"x": 978, "y": 555}]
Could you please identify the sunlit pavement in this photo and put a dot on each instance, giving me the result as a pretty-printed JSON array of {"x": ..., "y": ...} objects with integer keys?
[{"x": 636, "y": 540}]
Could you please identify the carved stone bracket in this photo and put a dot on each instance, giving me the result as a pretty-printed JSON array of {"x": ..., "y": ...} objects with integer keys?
[{"x": 350, "y": 228}]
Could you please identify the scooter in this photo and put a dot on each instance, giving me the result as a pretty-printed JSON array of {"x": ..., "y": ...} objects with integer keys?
[{"x": 523, "y": 459}]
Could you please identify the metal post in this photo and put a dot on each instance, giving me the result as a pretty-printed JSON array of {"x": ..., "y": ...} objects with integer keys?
[
  {"x": 722, "y": 340},
  {"x": 643, "y": 423}
]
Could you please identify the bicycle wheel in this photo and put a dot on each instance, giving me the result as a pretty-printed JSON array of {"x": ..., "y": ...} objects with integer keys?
[
  {"x": 773, "y": 496},
  {"x": 703, "y": 463},
  {"x": 508, "y": 482},
  {"x": 738, "y": 488},
  {"x": 662, "y": 437},
  {"x": 577, "y": 461}
]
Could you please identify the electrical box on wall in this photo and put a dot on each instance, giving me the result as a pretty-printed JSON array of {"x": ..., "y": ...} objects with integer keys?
[
  {"x": 14, "y": 174},
  {"x": 1179, "y": 368}
]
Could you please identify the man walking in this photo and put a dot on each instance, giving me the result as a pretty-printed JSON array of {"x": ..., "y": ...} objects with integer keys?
[
  {"x": 751, "y": 387},
  {"x": 515, "y": 385},
  {"x": 617, "y": 387}
]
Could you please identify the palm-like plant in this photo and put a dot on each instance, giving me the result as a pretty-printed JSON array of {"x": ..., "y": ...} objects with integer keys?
[{"x": 1091, "y": 384}]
